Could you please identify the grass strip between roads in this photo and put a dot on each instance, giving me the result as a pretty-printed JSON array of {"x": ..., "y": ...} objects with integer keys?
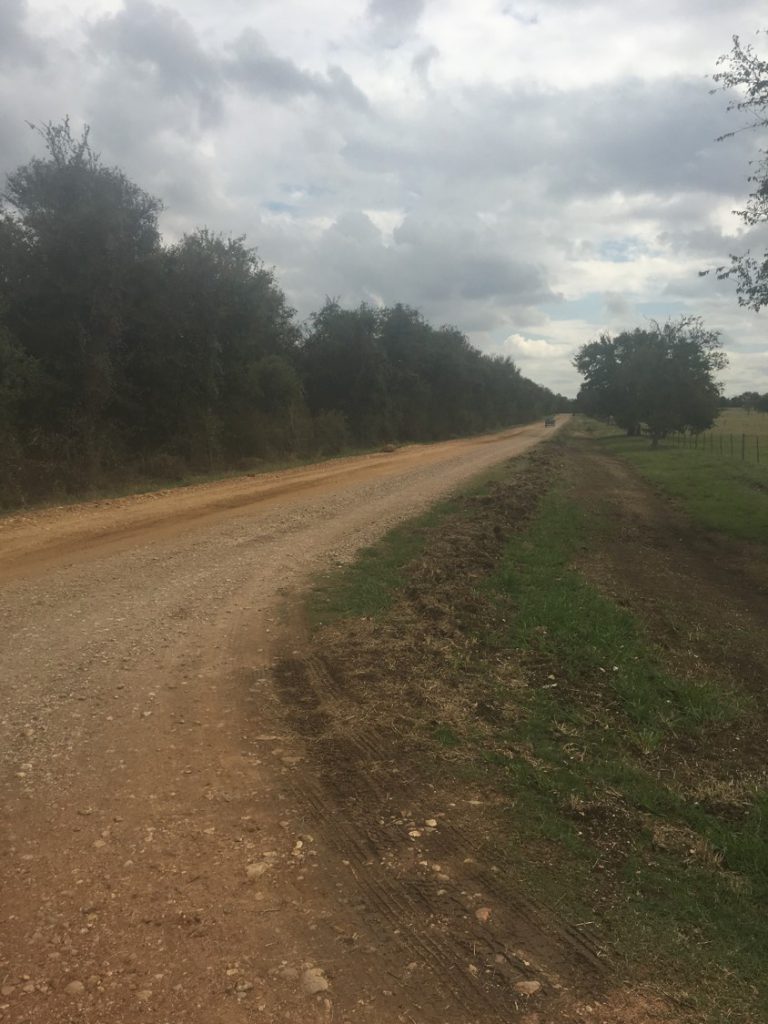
[{"x": 625, "y": 798}]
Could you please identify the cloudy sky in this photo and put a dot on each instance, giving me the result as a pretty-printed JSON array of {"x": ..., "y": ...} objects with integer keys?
[{"x": 533, "y": 171}]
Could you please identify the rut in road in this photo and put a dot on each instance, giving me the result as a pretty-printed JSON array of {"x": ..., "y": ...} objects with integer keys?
[{"x": 167, "y": 853}]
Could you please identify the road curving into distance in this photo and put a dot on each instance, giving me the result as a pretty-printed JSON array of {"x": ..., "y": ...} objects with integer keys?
[{"x": 156, "y": 858}]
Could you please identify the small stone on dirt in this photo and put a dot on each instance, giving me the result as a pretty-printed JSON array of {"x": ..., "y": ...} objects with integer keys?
[
  {"x": 483, "y": 914},
  {"x": 254, "y": 871},
  {"x": 313, "y": 980},
  {"x": 75, "y": 988},
  {"x": 528, "y": 988}
]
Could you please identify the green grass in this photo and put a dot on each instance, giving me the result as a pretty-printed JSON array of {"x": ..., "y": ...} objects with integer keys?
[
  {"x": 602, "y": 722},
  {"x": 588, "y": 636},
  {"x": 370, "y": 584},
  {"x": 719, "y": 493}
]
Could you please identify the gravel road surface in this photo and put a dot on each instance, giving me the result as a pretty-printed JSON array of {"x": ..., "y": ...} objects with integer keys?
[{"x": 157, "y": 863}]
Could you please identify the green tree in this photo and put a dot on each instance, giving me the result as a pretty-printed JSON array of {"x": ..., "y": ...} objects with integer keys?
[
  {"x": 209, "y": 314},
  {"x": 72, "y": 234},
  {"x": 662, "y": 377},
  {"x": 20, "y": 386},
  {"x": 346, "y": 369},
  {"x": 745, "y": 74}
]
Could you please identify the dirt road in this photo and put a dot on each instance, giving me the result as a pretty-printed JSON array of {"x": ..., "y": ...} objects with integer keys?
[{"x": 159, "y": 858}]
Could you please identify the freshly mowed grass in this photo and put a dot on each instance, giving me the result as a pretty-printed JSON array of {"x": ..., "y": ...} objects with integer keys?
[
  {"x": 626, "y": 803},
  {"x": 676, "y": 885},
  {"x": 719, "y": 493}
]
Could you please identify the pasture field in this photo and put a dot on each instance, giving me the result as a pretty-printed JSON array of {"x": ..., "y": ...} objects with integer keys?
[
  {"x": 739, "y": 421},
  {"x": 569, "y": 649}
]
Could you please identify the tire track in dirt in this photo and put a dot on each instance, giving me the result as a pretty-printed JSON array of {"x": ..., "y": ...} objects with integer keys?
[{"x": 356, "y": 802}]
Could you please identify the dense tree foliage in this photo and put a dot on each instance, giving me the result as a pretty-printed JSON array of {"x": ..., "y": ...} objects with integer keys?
[
  {"x": 121, "y": 356},
  {"x": 744, "y": 75},
  {"x": 660, "y": 377}
]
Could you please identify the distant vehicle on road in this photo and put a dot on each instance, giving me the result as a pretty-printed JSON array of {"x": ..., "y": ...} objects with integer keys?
[{"x": 549, "y": 421}]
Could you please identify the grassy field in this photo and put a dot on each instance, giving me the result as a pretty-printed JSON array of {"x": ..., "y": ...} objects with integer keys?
[
  {"x": 739, "y": 421},
  {"x": 630, "y": 794},
  {"x": 677, "y": 882},
  {"x": 718, "y": 492}
]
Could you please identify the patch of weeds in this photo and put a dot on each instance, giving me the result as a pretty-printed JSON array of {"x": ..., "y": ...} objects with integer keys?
[{"x": 446, "y": 736}]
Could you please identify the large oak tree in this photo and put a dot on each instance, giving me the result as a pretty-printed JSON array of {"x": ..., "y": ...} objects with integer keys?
[{"x": 660, "y": 377}]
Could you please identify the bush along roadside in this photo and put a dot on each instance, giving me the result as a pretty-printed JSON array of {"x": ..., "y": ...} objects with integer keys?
[{"x": 628, "y": 796}]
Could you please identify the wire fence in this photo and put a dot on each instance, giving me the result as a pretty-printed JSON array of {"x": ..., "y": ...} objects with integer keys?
[{"x": 745, "y": 447}]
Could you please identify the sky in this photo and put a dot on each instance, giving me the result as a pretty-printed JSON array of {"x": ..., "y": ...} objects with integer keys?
[{"x": 532, "y": 171}]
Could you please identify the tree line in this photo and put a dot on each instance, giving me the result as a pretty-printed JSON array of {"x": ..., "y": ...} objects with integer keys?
[
  {"x": 752, "y": 401},
  {"x": 122, "y": 356}
]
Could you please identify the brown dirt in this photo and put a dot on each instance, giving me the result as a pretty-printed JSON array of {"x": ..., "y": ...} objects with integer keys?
[
  {"x": 169, "y": 850},
  {"x": 365, "y": 694}
]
